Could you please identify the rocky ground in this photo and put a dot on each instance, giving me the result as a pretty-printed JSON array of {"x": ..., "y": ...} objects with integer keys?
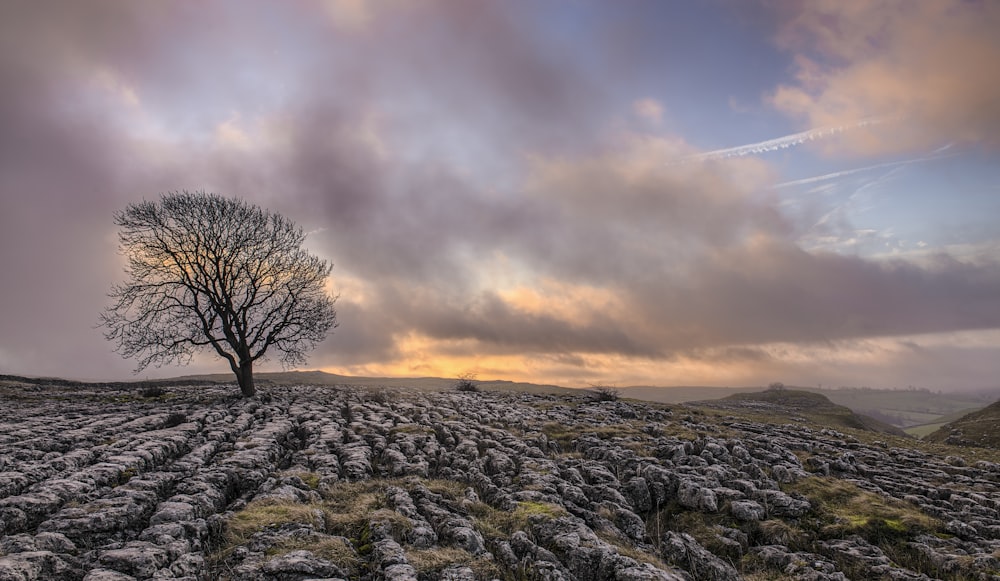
[{"x": 119, "y": 483}]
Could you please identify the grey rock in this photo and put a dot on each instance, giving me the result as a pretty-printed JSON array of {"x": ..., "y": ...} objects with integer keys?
[
  {"x": 636, "y": 490},
  {"x": 682, "y": 550},
  {"x": 692, "y": 495},
  {"x": 777, "y": 503},
  {"x": 38, "y": 565},
  {"x": 300, "y": 565},
  {"x": 647, "y": 572},
  {"x": 747, "y": 510},
  {"x": 107, "y": 575},
  {"x": 457, "y": 573},
  {"x": 399, "y": 572},
  {"x": 139, "y": 559}
]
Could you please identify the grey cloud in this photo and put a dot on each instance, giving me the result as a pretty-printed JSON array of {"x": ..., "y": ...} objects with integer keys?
[
  {"x": 485, "y": 66},
  {"x": 777, "y": 292}
]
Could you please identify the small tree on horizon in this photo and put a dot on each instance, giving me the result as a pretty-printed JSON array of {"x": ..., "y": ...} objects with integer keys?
[
  {"x": 602, "y": 392},
  {"x": 216, "y": 273},
  {"x": 467, "y": 381}
]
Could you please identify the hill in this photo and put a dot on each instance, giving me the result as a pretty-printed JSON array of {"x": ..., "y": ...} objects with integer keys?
[
  {"x": 799, "y": 405},
  {"x": 898, "y": 407},
  {"x": 980, "y": 428},
  {"x": 680, "y": 393}
]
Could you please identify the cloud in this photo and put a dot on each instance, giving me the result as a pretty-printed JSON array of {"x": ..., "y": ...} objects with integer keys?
[
  {"x": 927, "y": 64},
  {"x": 349, "y": 15},
  {"x": 649, "y": 109},
  {"x": 461, "y": 170},
  {"x": 620, "y": 257}
]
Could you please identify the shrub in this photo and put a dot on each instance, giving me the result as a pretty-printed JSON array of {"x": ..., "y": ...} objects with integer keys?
[
  {"x": 379, "y": 396},
  {"x": 154, "y": 391},
  {"x": 604, "y": 393},
  {"x": 466, "y": 382}
]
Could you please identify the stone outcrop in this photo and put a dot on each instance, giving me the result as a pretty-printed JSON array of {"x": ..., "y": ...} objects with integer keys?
[{"x": 102, "y": 483}]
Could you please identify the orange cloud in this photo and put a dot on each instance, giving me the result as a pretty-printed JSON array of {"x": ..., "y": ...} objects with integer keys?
[
  {"x": 928, "y": 65},
  {"x": 935, "y": 361}
]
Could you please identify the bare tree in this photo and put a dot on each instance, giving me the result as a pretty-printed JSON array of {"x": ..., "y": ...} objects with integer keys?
[
  {"x": 601, "y": 392},
  {"x": 466, "y": 382},
  {"x": 208, "y": 272}
]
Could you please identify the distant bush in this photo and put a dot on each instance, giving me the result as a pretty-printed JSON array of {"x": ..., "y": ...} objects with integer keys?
[
  {"x": 379, "y": 396},
  {"x": 776, "y": 386},
  {"x": 466, "y": 382},
  {"x": 154, "y": 391},
  {"x": 604, "y": 393}
]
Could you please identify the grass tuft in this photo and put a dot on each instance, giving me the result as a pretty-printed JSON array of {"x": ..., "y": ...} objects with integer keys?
[
  {"x": 260, "y": 514},
  {"x": 500, "y": 524},
  {"x": 430, "y": 562},
  {"x": 846, "y": 509}
]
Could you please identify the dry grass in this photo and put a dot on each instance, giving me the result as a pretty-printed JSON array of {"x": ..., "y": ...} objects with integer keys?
[
  {"x": 337, "y": 550},
  {"x": 846, "y": 509},
  {"x": 779, "y": 532},
  {"x": 499, "y": 524},
  {"x": 346, "y": 510},
  {"x": 565, "y": 435},
  {"x": 350, "y": 506},
  {"x": 429, "y": 562},
  {"x": 260, "y": 514},
  {"x": 450, "y": 489}
]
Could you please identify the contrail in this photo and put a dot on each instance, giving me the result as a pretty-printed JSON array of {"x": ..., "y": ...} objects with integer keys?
[
  {"x": 777, "y": 143},
  {"x": 934, "y": 155}
]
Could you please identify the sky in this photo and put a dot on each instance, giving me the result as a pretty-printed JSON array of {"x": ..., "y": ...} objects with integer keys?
[{"x": 562, "y": 191}]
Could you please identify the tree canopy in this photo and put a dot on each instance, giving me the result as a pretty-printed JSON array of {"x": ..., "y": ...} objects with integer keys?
[{"x": 216, "y": 273}]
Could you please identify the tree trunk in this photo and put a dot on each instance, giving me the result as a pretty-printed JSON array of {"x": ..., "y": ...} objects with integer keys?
[{"x": 244, "y": 376}]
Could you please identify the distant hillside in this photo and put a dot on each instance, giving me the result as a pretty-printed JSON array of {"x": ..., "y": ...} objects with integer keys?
[
  {"x": 898, "y": 407},
  {"x": 410, "y": 383},
  {"x": 792, "y": 403},
  {"x": 680, "y": 394},
  {"x": 922, "y": 430},
  {"x": 979, "y": 428},
  {"x": 907, "y": 407}
]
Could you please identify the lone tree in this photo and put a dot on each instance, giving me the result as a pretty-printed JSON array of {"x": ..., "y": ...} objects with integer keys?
[{"x": 212, "y": 272}]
